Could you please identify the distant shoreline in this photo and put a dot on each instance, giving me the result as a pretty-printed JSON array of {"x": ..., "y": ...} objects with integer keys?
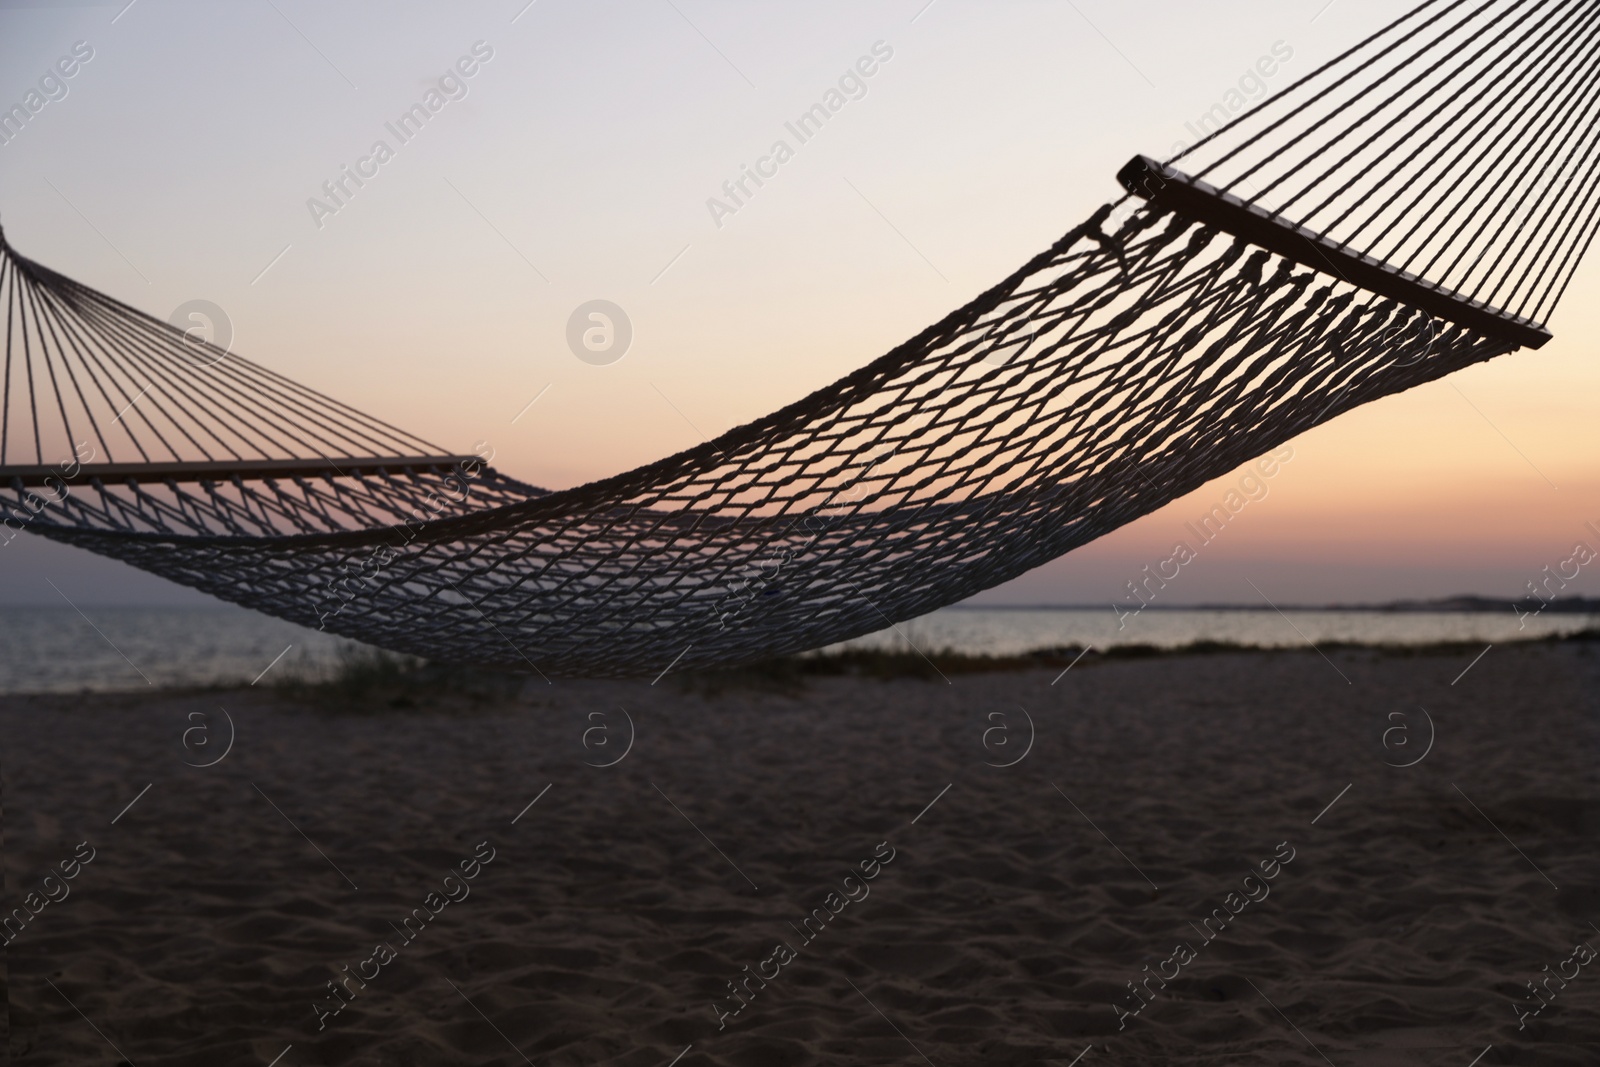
[{"x": 1460, "y": 605}]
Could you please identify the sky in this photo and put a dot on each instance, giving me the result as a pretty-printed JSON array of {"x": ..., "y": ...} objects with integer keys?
[{"x": 581, "y": 159}]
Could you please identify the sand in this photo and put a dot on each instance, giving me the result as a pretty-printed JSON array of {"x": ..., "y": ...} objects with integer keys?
[{"x": 1018, "y": 903}]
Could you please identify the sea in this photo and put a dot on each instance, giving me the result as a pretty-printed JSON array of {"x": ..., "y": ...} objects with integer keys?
[{"x": 101, "y": 649}]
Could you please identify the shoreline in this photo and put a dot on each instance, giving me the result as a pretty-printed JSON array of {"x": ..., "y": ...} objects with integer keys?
[{"x": 376, "y": 670}]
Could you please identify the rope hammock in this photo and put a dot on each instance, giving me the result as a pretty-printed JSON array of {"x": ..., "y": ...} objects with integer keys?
[{"x": 1417, "y": 205}]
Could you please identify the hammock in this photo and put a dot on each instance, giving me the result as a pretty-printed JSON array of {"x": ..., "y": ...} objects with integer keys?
[{"x": 1417, "y": 205}]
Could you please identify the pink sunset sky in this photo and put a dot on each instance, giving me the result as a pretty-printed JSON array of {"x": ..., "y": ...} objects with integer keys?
[{"x": 584, "y": 158}]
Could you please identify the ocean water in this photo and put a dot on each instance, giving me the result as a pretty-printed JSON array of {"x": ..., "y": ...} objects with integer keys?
[
  {"x": 1011, "y": 631},
  {"x": 56, "y": 649}
]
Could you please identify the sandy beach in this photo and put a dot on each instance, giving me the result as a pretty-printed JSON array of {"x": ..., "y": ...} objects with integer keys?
[{"x": 1206, "y": 859}]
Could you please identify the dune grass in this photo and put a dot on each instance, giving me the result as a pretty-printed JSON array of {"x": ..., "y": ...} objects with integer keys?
[{"x": 368, "y": 679}]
